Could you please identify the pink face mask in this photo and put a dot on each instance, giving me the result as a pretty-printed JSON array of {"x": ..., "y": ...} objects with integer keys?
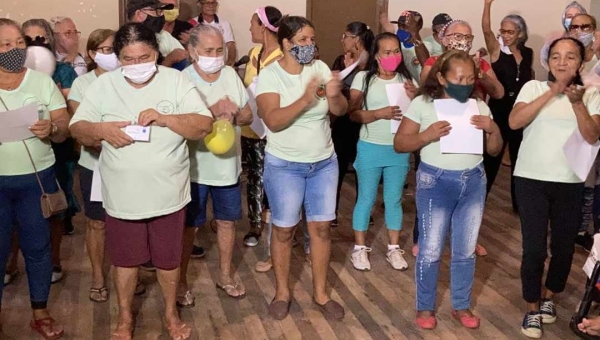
[{"x": 390, "y": 63}]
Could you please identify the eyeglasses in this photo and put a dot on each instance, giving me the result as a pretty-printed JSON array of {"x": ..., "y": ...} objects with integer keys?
[
  {"x": 344, "y": 36},
  {"x": 70, "y": 33},
  {"x": 507, "y": 32},
  {"x": 209, "y": 3},
  {"x": 105, "y": 49},
  {"x": 583, "y": 28},
  {"x": 153, "y": 12},
  {"x": 460, "y": 36},
  {"x": 37, "y": 39}
]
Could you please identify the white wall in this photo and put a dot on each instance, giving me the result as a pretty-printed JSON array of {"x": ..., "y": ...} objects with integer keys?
[{"x": 542, "y": 17}]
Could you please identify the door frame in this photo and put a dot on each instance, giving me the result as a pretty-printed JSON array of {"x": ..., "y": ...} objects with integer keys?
[{"x": 382, "y": 7}]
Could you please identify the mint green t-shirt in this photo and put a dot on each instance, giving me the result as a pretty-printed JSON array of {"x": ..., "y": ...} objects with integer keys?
[
  {"x": 379, "y": 131},
  {"x": 35, "y": 88},
  {"x": 409, "y": 56},
  {"x": 167, "y": 43},
  {"x": 434, "y": 48},
  {"x": 206, "y": 167},
  {"x": 88, "y": 157},
  {"x": 145, "y": 179},
  {"x": 541, "y": 155},
  {"x": 422, "y": 111},
  {"x": 308, "y": 138}
]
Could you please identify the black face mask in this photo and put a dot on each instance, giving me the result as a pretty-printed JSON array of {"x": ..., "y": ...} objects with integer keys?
[{"x": 155, "y": 23}]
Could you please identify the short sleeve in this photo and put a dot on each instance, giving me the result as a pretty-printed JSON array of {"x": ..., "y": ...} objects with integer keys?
[
  {"x": 415, "y": 109},
  {"x": 359, "y": 81},
  {"x": 227, "y": 32},
  {"x": 527, "y": 93},
  {"x": 484, "y": 66},
  {"x": 267, "y": 81},
  {"x": 430, "y": 61},
  {"x": 167, "y": 44},
  {"x": 428, "y": 46},
  {"x": 76, "y": 93},
  {"x": 89, "y": 109},
  {"x": 593, "y": 103},
  {"x": 188, "y": 98}
]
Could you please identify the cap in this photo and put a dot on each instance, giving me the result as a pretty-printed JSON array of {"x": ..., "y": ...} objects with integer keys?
[
  {"x": 135, "y": 5},
  {"x": 441, "y": 19},
  {"x": 402, "y": 18}
]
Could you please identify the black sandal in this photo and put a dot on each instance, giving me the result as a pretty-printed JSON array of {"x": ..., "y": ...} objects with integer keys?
[{"x": 99, "y": 291}]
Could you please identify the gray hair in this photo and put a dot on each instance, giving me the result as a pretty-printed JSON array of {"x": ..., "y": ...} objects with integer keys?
[
  {"x": 575, "y": 4},
  {"x": 57, "y": 20},
  {"x": 521, "y": 24},
  {"x": 201, "y": 31},
  {"x": 42, "y": 23},
  {"x": 452, "y": 24}
]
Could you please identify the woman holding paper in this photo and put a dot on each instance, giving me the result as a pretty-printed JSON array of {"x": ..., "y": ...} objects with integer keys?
[
  {"x": 373, "y": 108},
  {"x": 450, "y": 186},
  {"x": 294, "y": 97},
  {"x": 215, "y": 175},
  {"x": 144, "y": 196},
  {"x": 548, "y": 189},
  {"x": 27, "y": 170}
]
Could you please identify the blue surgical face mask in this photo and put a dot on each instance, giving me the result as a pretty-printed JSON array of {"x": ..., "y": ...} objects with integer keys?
[
  {"x": 567, "y": 23},
  {"x": 459, "y": 92},
  {"x": 304, "y": 54},
  {"x": 404, "y": 37}
]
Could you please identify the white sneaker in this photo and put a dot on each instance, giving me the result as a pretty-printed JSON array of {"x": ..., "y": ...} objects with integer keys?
[
  {"x": 396, "y": 259},
  {"x": 360, "y": 259}
]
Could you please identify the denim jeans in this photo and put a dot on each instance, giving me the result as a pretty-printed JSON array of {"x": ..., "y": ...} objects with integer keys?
[
  {"x": 448, "y": 201},
  {"x": 20, "y": 206}
]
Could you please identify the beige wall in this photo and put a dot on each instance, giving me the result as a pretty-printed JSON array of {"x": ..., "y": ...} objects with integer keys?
[{"x": 543, "y": 17}]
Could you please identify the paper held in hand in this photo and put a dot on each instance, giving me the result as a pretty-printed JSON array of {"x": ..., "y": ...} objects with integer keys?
[
  {"x": 14, "y": 124},
  {"x": 96, "y": 192},
  {"x": 258, "y": 126},
  {"x": 397, "y": 96},
  {"x": 464, "y": 137},
  {"x": 580, "y": 154}
]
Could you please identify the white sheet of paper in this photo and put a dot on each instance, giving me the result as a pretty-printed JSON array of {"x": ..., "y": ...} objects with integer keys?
[
  {"x": 14, "y": 124},
  {"x": 258, "y": 126},
  {"x": 346, "y": 72},
  {"x": 580, "y": 154},
  {"x": 96, "y": 192},
  {"x": 138, "y": 133},
  {"x": 464, "y": 138},
  {"x": 594, "y": 256},
  {"x": 397, "y": 96}
]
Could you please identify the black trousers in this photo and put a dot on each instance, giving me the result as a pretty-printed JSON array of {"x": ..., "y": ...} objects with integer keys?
[
  {"x": 344, "y": 134},
  {"x": 542, "y": 203}
]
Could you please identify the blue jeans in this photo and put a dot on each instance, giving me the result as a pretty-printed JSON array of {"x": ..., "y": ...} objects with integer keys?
[
  {"x": 226, "y": 203},
  {"x": 20, "y": 206},
  {"x": 448, "y": 201}
]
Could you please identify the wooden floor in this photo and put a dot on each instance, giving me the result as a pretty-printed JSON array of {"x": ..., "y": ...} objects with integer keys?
[{"x": 379, "y": 304}]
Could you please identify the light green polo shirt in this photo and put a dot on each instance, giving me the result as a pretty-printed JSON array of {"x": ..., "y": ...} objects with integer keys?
[
  {"x": 145, "y": 179},
  {"x": 308, "y": 138},
  {"x": 541, "y": 155},
  {"x": 207, "y": 168},
  {"x": 434, "y": 48},
  {"x": 422, "y": 111},
  {"x": 167, "y": 43},
  {"x": 35, "y": 88},
  {"x": 87, "y": 159},
  {"x": 379, "y": 131}
]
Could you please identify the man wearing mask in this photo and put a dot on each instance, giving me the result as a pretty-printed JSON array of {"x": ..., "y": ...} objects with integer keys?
[
  {"x": 67, "y": 43},
  {"x": 433, "y": 43},
  {"x": 151, "y": 14},
  {"x": 179, "y": 29},
  {"x": 208, "y": 15}
]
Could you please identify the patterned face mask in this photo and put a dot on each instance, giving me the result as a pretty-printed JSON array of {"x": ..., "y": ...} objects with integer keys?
[
  {"x": 13, "y": 60},
  {"x": 304, "y": 54},
  {"x": 461, "y": 45}
]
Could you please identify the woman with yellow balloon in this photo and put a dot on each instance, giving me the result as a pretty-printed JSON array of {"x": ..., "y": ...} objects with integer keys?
[{"x": 215, "y": 163}]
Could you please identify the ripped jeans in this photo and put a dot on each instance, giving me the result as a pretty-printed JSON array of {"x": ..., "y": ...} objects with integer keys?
[{"x": 448, "y": 201}]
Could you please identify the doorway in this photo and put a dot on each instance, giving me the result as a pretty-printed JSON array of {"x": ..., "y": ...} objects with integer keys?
[{"x": 330, "y": 18}]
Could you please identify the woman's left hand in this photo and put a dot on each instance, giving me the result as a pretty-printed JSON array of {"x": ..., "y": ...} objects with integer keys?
[
  {"x": 411, "y": 89},
  {"x": 574, "y": 93},
  {"x": 484, "y": 123},
  {"x": 151, "y": 116},
  {"x": 42, "y": 129},
  {"x": 333, "y": 88}
]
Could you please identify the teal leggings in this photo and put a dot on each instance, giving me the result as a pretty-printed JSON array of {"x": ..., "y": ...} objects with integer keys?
[{"x": 394, "y": 178}]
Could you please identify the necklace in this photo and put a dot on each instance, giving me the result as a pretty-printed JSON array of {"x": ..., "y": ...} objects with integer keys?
[{"x": 12, "y": 84}]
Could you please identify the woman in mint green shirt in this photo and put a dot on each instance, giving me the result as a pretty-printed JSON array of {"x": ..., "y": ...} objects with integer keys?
[{"x": 376, "y": 156}]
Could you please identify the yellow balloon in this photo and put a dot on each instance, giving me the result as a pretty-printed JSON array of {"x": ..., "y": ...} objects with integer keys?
[{"x": 221, "y": 139}]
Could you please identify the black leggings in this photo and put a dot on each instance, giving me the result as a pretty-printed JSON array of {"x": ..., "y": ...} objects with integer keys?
[{"x": 344, "y": 134}]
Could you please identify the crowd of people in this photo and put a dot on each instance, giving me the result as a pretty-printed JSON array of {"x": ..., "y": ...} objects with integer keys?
[{"x": 136, "y": 108}]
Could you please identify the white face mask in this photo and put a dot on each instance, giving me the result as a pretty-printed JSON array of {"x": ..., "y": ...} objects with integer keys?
[
  {"x": 139, "y": 73},
  {"x": 108, "y": 62},
  {"x": 211, "y": 65}
]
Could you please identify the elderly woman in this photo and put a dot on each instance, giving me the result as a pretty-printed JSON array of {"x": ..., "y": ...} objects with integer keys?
[
  {"x": 30, "y": 170},
  {"x": 294, "y": 96},
  {"x": 102, "y": 59},
  {"x": 143, "y": 110},
  {"x": 215, "y": 175},
  {"x": 67, "y": 43}
]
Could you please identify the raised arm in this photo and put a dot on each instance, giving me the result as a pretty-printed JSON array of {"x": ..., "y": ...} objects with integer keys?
[
  {"x": 492, "y": 44},
  {"x": 424, "y": 73}
]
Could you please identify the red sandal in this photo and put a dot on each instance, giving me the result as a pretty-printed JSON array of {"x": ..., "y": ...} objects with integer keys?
[{"x": 38, "y": 326}]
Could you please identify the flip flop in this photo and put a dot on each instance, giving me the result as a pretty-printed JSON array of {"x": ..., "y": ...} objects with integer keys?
[
  {"x": 182, "y": 331},
  {"x": 228, "y": 288},
  {"x": 279, "y": 310},
  {"x": 103, "y": 292},
  {"x": 186, "y": 300},
  {"x": 38, "y": 326}
]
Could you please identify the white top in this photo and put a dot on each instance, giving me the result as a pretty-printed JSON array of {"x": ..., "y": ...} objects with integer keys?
[
  {"x": 223, "y": 26},
  {"x": 167, "y": 43},
  {"x": 87, "y": 159},
  {"x": 78, "y": 64}
]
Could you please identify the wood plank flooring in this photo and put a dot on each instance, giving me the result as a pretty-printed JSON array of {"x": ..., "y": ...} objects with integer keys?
[{"x": 379, "y": 304}]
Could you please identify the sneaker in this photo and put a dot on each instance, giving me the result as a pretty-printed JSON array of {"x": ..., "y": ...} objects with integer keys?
[
  {"x": 251, "y": 239},
  {"x": 360, "y": 259},
  {"x": 532, "y": 325},
  {"x": 584, "y": 240},
  {"x": 396, "y": 258},
  {"x": 548, "y": 311},
  {"x": 198, "y": 252},
  {"x": 57, "y": 274},
  {"x": 148, "y": 267}
]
